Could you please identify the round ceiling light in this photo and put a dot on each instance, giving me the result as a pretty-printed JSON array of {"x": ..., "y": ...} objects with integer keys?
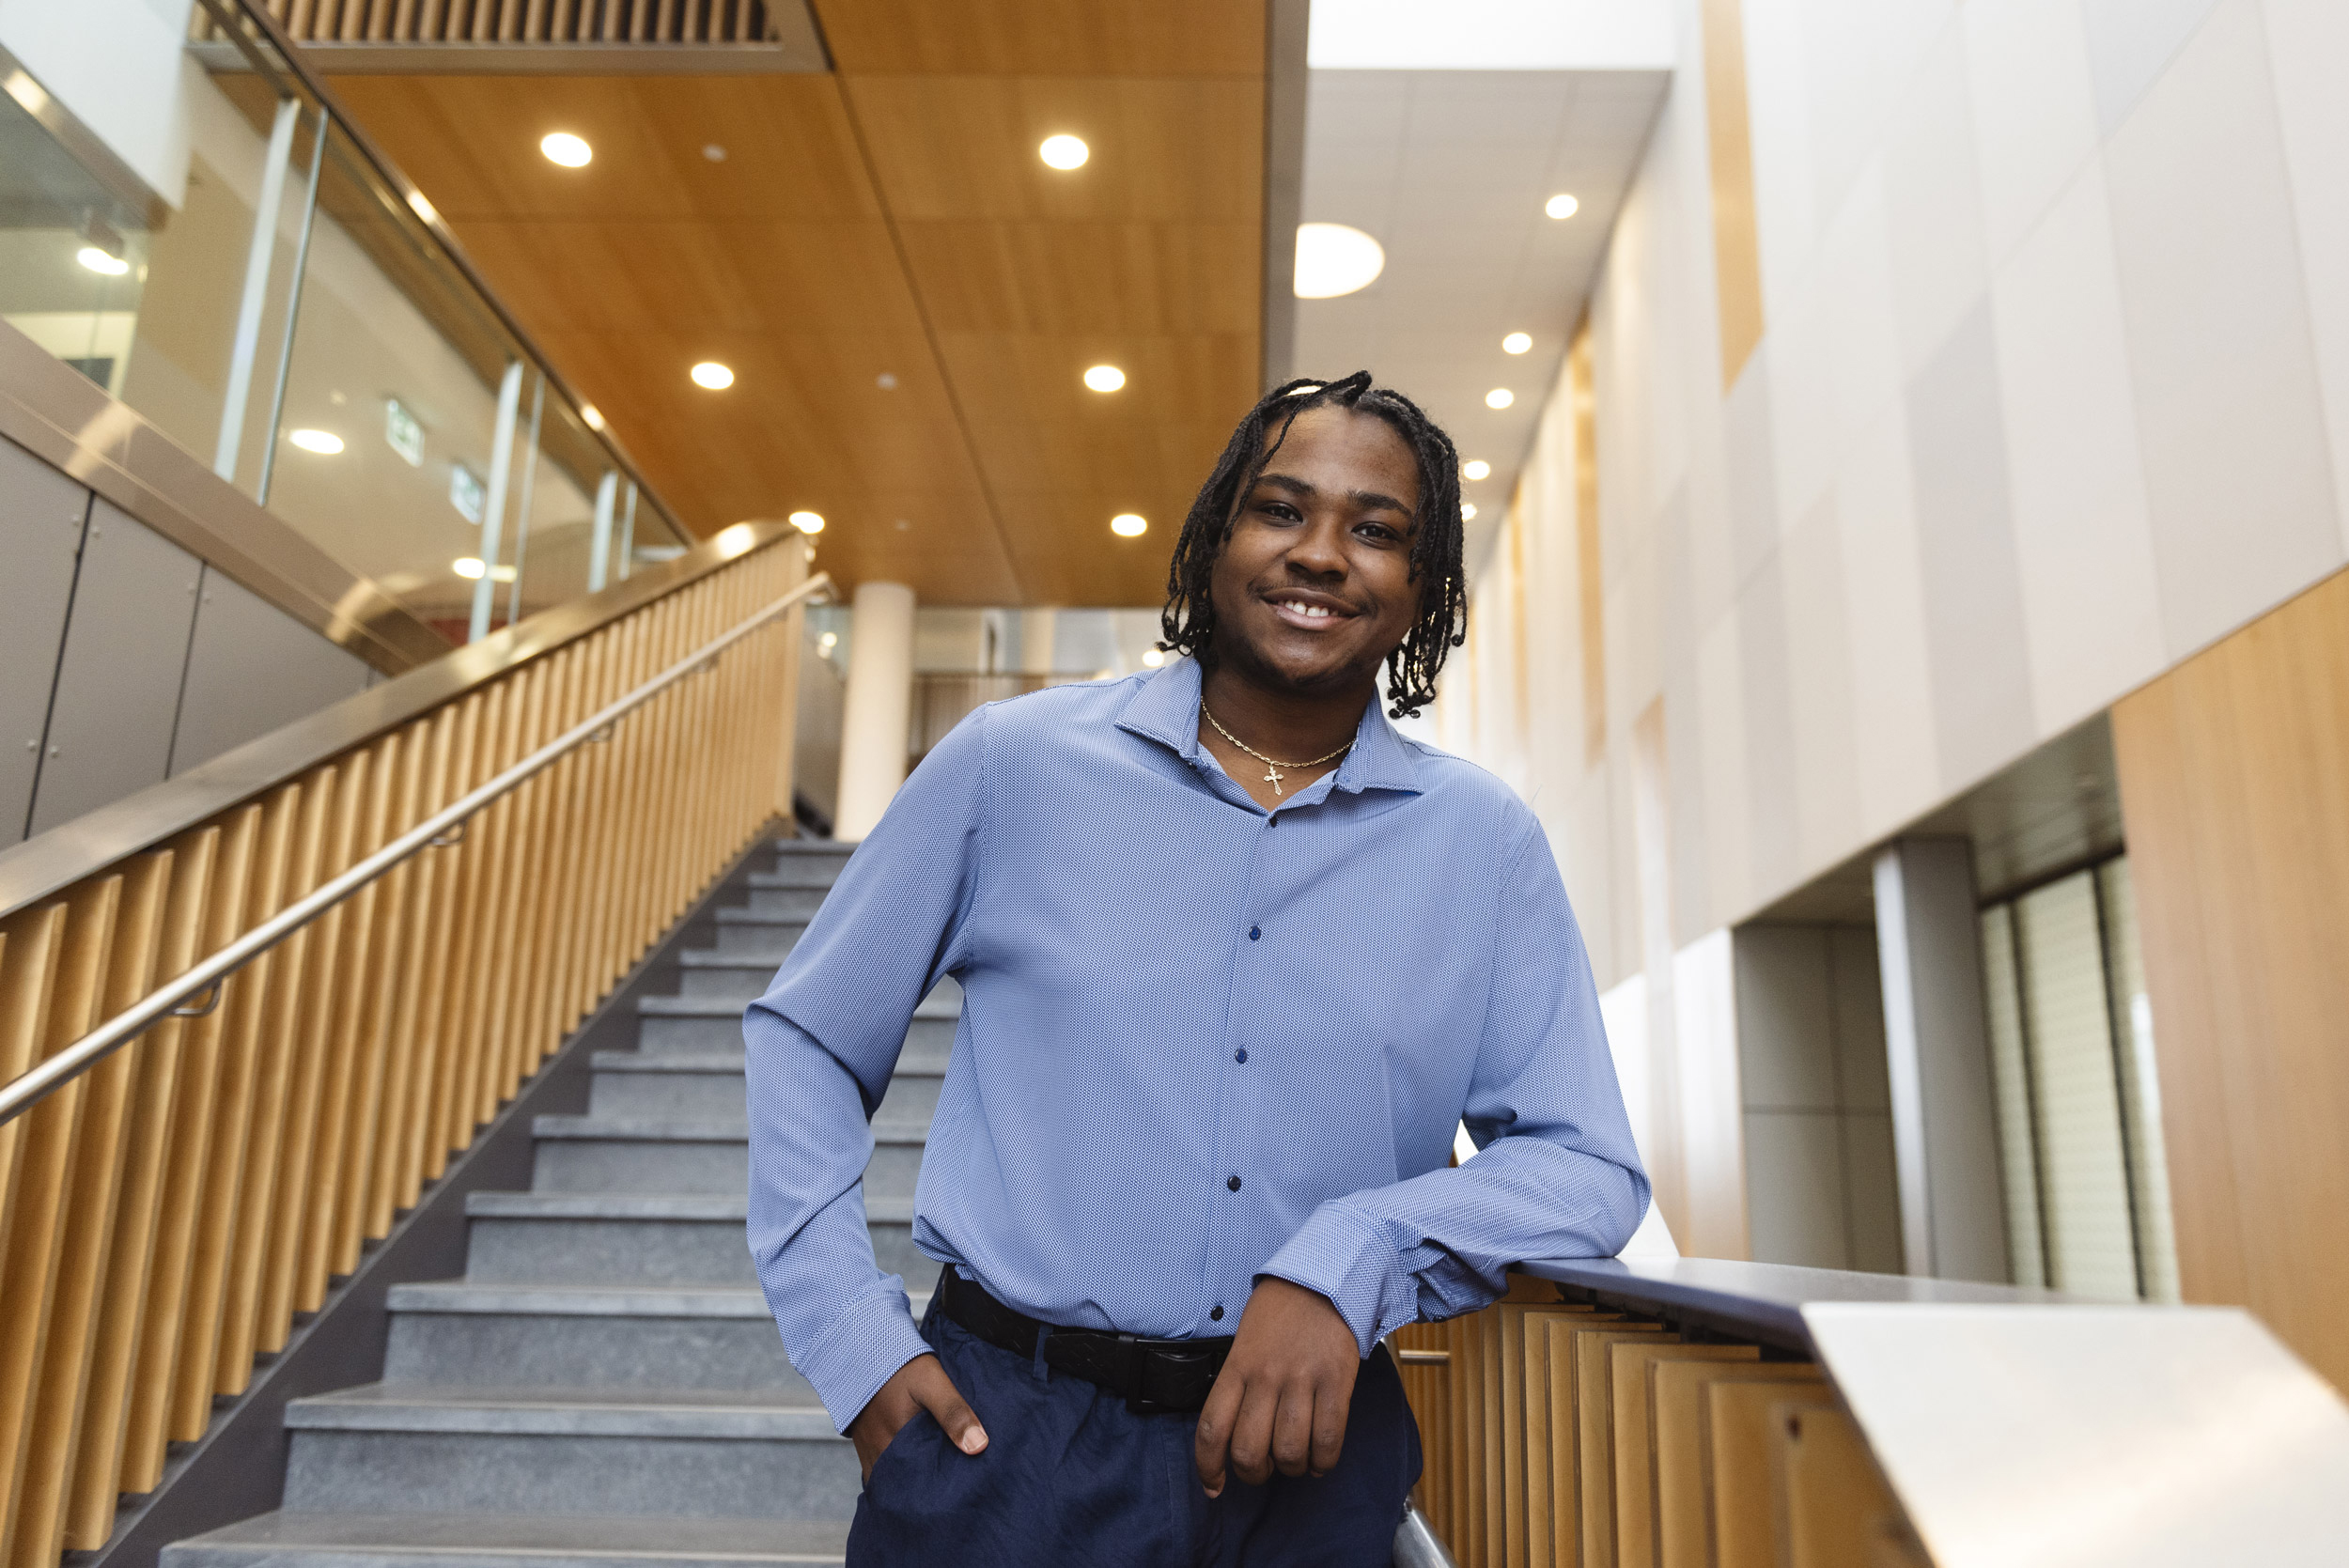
[
  {"x": 1475, "y": 468},
  {"x": 1561, "y": 206},
  {"x": 324, "y": 442},
  {"x": 1064, "y": 152},
  {"x": 592, "y": 415},
  {"x": 100, "y": 261},
  {"x": 1127, "y": 525},
  {"x": 423, "y": 208},
  {"x": 1105, "y": 378},
  {"x": 709, "y": 373},
  {"x": 562, "y": 148},
  {"x": 808, "y": 523},
  {"x": 1468, "y": 511},
  {"x": 470, "y": 567},
  {"x": 1153, "y": 657},
  {"x": 1517, "y": 343},
  {"x": 1333, "y": 260},
  {"x": 1499, "y": 397}
]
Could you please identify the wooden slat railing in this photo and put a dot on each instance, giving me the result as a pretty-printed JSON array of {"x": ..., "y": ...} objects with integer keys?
[
  {"x": 167, "y": 1213},
  {"x": 552, "y": 22},
  {"x": 1566, "y": 1434}
]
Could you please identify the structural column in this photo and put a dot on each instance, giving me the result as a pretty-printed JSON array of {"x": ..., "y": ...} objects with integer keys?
[
  {"x": 876, "y": 723},
  {"x": 1936, "y": 1041}
]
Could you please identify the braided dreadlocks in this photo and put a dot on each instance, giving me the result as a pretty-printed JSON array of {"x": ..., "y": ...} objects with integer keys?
[{"x": 1189, "y": 619}]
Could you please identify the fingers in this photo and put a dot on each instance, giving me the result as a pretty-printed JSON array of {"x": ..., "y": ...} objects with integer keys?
[
  {"x": 934, "y": 1391},
  {"x": 1332, "y": 1404},
  {"x": 1210, "y": 1446},
  {"x": 1293, "y": 1429},
  {"x": 1251, "y": 1432}
]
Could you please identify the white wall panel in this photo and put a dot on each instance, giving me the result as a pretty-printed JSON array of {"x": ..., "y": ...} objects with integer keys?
[
  {"x": 252, "y": 668},
  {"x": 41, "y": 514},
  {"x": 118, "y": 681}
]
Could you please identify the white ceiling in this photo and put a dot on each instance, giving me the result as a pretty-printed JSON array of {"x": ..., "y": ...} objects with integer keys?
[{"x": 1448, "y": 170}]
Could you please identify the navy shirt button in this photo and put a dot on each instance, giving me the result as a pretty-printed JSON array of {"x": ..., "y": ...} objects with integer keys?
[
  {"x": 1254, "y": 932},
  {"x": 1233, "y": 1184},
  {"x": 1216, "y": 1315},
  {"x": 1240, "y": 1056}
]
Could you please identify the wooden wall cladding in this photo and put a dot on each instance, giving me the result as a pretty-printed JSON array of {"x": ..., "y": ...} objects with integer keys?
[
  {"x": 165, "y": 1216},
  {"x": 2235, "y": 785}
]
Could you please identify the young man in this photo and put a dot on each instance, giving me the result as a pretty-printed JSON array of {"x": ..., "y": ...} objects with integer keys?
[{"x": 1236, "y": 960}]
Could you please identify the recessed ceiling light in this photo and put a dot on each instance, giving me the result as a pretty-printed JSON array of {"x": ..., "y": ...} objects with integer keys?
[
  {"x": 709, "y": 373},
  {"x": 1468, "y": 511},
  {"x": 324, "y": 442},
  {"x": 1499, "y": 397},
  {"x": 422, "y": 208},
  {"x": 808, "y": 523},
  {"x": 1334, "y": 260},
  {"x": 1153, "y": 657},
  {"x": 1517, "y": 343},
  {"x": 829, "y": 641},
  {"x": 886, "y": 381},
  {"x": 1127, "y": 525},
  {"x": 1475, "y": 468},
  {"x": 593, "y": 415},
  {"x": 469, "y": 566},
  {"x": 715, "y": 153},
  {"x": 1105, "y": 378},
  {"x": 562, "y": 148},
  {"x": 98, "y": 261},
  {"x": 1064, "y": 152},
  {"x": 1560, "y": 206}
]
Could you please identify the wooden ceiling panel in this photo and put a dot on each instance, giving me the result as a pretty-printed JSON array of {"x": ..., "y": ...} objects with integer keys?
[
  {"x": 1066, "y": 279},
  {"x": 1064, "y": 552},
  {"x": 472, "y": 142},
  {"x": 1169, "y": 148},
  {"x": 1057, "y": 37}
]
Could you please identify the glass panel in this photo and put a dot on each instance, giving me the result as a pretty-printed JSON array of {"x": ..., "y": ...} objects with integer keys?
[
  {"x": 2010, "y": 1071},
  {"x": 2083, "y": 1167},
  {"x": 379, "y": 443},
  {"x": 2141, "y": 1083}
]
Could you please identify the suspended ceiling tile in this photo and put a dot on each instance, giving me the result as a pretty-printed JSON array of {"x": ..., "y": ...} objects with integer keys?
[
  {"x": 1059, "y": 37},
  {"x": 966, "y": 146}
]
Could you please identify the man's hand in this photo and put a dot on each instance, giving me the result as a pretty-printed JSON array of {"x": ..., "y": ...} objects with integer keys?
[
  {"x": 1282, "y": 1399},
  {"x": 921, "y": 1383}
]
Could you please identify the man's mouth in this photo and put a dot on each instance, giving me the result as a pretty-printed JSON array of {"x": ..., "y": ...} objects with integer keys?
[{"x": 1307, "y": 613}]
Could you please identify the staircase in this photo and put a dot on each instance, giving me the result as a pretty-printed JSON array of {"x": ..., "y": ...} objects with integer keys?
[{"x": 604, "y": 1386}]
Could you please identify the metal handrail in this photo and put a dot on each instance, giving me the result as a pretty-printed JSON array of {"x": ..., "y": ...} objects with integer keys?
[{"x": 22, "y": 1094}]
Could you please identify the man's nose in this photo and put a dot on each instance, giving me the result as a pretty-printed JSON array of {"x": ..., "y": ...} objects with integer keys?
[{"x": 1318, "y": 549}]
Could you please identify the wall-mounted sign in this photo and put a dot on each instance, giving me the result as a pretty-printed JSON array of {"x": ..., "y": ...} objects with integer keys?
[
  {"x": 401, "y": 432},
  {"x": 466, "y": 492}
]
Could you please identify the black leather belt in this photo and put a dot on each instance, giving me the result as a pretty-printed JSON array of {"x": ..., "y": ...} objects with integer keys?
[{"x": 1154, "y": 1376}]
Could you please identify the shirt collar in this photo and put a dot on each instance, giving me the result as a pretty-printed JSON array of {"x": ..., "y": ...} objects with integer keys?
[{"x": 1165, "y": 709}]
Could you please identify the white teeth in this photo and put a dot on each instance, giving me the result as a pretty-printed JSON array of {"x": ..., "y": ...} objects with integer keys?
[{"x": 1315, "y": 612}]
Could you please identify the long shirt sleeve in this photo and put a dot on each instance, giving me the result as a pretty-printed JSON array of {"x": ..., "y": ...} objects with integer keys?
[
  {"x": 1556, "y": 1175},
  {"x": 821, "y": 1045}
]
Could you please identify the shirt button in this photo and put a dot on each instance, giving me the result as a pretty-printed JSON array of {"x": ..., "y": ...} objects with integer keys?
[
  {"x": 1216, "y": 1315},
  {"x": 1233, "y": 1184},
  {"x": 1254, "y": 932},
  {"x": 1240, "y": 1056}
]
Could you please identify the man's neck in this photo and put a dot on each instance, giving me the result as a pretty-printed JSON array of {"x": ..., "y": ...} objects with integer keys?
[{"x": 1289, "y": 725}]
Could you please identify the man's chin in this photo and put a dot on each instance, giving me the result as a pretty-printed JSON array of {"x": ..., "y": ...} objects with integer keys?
[{"x": 1306, "y": 672}]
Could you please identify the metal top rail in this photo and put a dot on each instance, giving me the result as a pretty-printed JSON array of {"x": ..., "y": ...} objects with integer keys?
[{"x": 443, "y": 827}]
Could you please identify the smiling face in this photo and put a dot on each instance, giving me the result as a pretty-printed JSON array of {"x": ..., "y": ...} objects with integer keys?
[{"x": 1313, "y": 588}]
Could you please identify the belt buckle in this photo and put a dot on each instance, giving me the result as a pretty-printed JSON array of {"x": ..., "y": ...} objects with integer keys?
[{"x": 1138, "y": 1400}]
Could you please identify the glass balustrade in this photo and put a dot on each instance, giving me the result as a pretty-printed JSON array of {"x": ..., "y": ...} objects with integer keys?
[{"x": 300, "y": 323}]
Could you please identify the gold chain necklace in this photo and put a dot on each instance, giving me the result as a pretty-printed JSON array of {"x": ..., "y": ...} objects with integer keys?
[{"x": 1272, "y": 774}]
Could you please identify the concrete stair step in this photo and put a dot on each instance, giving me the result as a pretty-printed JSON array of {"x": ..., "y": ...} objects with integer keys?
[
  {"x": 708, "y": 1084},
  {"x": 292, "y": 1539},
  {"x": 703, "y": 1338},
  {"x": 776, "y": 899},
  {"x": 709, "y": 1454},
  {"x": 614, "y": 1153},
  {"x": 707, "y": 1015},
  {"x": 638, "y": 1239},
  {"x": 705, "y": 974},
  {"x": 744, "y": 931}
]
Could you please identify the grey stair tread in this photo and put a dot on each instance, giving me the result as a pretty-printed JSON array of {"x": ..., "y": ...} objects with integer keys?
[
  {"x": 645, "y": 1205},
  {"x": 587, "y": 1539},
  {"x": 771, "y": 879},
  {"x": 646, "y": 1129},
  {"x": 723, "y": 1413},
  {"x": 910, "y": 1063},
  {"x": 941, "y": 1004},
  {"x": 710, "y": 958},
  {"x": 752, "y": 917},
  {"x": 840, "y": 847},
  {"x": 729, "y": 1301}
]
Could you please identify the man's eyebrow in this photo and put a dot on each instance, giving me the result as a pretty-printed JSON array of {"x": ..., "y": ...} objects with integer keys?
[{"x": 1295, "y": 486}]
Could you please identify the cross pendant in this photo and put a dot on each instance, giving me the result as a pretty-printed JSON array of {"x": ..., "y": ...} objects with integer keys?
[{"x": 1273, "y": 776}]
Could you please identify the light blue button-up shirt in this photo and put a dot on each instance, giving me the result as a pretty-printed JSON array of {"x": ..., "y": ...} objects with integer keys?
[{"x": 1199, "y": 1042}]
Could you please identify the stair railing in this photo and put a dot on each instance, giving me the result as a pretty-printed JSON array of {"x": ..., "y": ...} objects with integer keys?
[{"x": 247, "y": 1014}]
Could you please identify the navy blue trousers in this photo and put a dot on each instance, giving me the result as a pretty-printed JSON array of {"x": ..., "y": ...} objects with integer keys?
[{"x": 1071, "y": 1479}]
